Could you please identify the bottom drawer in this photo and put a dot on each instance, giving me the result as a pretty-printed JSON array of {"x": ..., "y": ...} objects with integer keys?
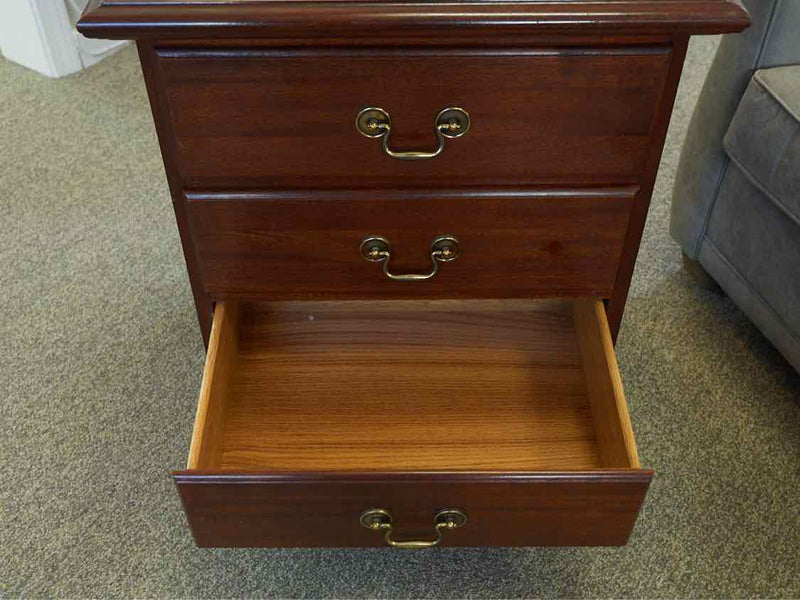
[{"x": 508, "y": 414}]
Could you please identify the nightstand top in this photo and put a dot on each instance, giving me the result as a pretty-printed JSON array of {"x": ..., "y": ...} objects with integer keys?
[{"x": 360, "y": 19}]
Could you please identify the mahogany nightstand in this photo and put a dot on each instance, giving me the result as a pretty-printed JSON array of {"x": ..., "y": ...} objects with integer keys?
[{"x": 410, "y": 229}]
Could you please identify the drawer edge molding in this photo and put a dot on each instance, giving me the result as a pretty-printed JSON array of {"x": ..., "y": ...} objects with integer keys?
[
  {"x": 190, "y": 476},
  {"x": 201, "y": 195},
  {"x": 199, "y": 51}
]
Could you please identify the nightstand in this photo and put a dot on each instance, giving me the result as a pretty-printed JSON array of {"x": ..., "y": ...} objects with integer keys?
[{"x": 410, "y": 229}]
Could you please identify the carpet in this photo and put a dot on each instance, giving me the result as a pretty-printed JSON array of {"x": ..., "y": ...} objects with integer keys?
[{"x": 102, "y": 361}]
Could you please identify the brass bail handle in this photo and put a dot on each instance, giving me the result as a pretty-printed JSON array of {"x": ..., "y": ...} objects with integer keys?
[
  {"x": 380, "y": 520},
  {"x": 444, "y": 248},
  {"x": 376, "y": 123}
]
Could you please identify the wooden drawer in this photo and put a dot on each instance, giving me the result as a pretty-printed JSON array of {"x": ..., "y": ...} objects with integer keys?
[
  {"x": 306, "y": 245},
  {"x": 277, "y": 118},
  {"x": 510, "y": 411}
]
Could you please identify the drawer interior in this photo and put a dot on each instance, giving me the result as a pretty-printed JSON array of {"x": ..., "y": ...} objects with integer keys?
[{"x": 392, "y": 386}]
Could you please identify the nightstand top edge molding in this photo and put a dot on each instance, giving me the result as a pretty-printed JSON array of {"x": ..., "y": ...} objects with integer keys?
[{"x": 160, "y": 19}]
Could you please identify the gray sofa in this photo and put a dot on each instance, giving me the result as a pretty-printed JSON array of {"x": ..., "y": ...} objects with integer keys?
[{"x": 736, "y": 201}]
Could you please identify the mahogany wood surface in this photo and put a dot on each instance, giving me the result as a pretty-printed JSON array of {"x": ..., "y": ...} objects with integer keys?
[
  {"x": 166, "y": 142},
  {"x": 304, "y": 245},
  {"x": 595, "y": 508},
  {"x": 491, "y": 394},
  {"x": 176, "y": 25},
  {"x": 510, "y": 41},
  {"x": 388, "y": 22},
  {"x": 576, "y": 116},
  {"x": 616, "y": 303},
  {"x": 511, "y": 410}
]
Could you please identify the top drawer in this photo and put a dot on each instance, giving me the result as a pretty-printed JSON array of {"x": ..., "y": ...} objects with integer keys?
[{"x": 255, "y": 118}]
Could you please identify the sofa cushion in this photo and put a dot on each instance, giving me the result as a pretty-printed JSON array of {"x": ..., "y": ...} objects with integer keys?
[
  {"x": 761, "y": 244},
  {"x": 763, "y": 138}
]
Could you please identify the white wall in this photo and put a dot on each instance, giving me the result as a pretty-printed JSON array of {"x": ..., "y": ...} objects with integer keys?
[{"x": 41, "y": 35}]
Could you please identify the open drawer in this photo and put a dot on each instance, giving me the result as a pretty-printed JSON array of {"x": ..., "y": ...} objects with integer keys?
[{"x": 465, "y": 422}]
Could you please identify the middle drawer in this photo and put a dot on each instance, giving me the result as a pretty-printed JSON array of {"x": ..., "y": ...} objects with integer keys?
[{"x": 301, "y": 245}]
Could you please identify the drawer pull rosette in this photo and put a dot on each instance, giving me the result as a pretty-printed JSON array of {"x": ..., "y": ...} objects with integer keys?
[
  {"x": 380, "y": 520},
  {"x": 444, "y": 248},
  {"x": 376, "y": 123}
]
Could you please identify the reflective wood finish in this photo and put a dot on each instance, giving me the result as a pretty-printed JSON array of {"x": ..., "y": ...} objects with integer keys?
[
  {"x": 305, "y": 245},
  {"x": 504, "y": 509},
  {"x": 500, "y": 397},
  {"x": 412, "y": 385},
  {"x": 580, "y": 116},
  {"x": 391, "y": 22},
  {"x": 466, "y": 393}
]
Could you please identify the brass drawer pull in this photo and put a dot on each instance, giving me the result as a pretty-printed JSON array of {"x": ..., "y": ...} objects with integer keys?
[
  {"x": 443, "y": 249},
  {"x": 380, "y": 519},
  {"x": 375, "y": 122}
]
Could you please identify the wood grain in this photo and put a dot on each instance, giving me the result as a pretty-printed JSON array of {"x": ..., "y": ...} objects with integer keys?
[
  {"x": 597, "y": 508},
  {"x": 405, "y": 386},
  {"x": 612, "y": 423},
  {"x": 575, "y": 116},
  {"x": 633, "y": 237},
  {"x": 221, "y": 358},
  {"x": 511, "y": 41},
  {"x": 202, "y": 301},
  {"x": 512, "y": 411},
  {"x": 391, "y": 22},
  {"x": 336, "y": 407},
  {"x": 305, "y": 245}
]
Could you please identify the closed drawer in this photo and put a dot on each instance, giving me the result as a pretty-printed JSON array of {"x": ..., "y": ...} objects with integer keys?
[
  {"x": 258, "y": 118},
  {"x": 510, "y": 412},
  {"x": 307, "y": 245}
]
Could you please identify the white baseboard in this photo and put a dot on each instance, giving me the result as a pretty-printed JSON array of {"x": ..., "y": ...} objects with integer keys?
[
  {"x": 40, "y": 34},
  {"x": 93, "y": 51}
]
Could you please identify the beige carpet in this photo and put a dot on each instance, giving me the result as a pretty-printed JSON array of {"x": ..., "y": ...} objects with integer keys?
[{"x": 102, "y": 359}]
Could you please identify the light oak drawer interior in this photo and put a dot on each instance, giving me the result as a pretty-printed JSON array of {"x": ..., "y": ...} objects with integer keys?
[{"x": 389, "y": 389}]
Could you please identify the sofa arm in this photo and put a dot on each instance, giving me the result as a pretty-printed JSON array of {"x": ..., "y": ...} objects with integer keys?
[{"x": 772, "y": 39}]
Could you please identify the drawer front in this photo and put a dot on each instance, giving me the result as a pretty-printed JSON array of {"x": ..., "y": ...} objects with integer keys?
[
  {"x": 266, "y": 118},
  {"x": 554, "y": 509},
  {"x": 300, "y": 246}
]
